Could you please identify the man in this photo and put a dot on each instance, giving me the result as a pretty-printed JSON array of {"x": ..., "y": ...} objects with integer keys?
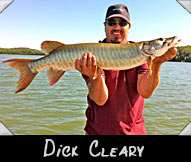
[{"x": 116, "y": 98}]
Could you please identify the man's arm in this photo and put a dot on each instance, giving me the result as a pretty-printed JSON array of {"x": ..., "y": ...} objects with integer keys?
[
  {"x": 148, "y": 83},
  {"x": 98, "y": 91}
]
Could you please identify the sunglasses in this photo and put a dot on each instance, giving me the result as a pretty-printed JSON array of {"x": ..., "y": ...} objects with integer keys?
[{"x": 112, "y": 22}]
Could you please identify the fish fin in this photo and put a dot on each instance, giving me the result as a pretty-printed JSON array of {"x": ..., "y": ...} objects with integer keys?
[
  {"x": 26, "y": 75},
  {"x": 48, "y": 46},
  {"x": 150, "y": 64},
  {"x": 54, "y": 75}
]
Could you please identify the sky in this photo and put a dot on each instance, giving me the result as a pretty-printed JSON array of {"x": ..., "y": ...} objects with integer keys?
[{"x": 27, "y": 23}]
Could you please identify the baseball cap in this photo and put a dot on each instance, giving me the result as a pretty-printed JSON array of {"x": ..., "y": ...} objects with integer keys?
[{"x": 118, "y": 10}]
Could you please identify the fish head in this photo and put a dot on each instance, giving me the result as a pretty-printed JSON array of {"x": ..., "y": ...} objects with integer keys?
[{"x": 158, "y": 46}]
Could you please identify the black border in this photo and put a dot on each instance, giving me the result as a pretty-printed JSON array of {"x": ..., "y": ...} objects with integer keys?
[{"x": 31, "y": 147}]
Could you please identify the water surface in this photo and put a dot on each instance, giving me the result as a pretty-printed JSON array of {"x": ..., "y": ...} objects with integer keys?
[{"x": 60, "y": 109}]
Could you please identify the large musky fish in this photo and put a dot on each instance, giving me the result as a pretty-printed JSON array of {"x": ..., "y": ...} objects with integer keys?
[{"x": 62, "y": 57}]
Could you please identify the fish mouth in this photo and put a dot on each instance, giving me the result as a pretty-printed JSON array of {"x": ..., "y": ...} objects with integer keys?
[{"x": 170, "y": 41}]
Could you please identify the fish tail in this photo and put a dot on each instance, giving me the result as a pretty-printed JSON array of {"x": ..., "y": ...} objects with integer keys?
[{"x": 26, "y": 75}]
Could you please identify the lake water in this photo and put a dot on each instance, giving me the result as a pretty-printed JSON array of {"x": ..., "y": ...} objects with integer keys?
[{"x": 60, "y": 109}]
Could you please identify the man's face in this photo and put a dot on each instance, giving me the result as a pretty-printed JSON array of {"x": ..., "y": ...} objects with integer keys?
[{"x": 116, "y": 33}]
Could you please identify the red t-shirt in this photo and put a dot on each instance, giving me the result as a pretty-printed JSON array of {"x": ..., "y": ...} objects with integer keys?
[{"x": 122, "y": 112}]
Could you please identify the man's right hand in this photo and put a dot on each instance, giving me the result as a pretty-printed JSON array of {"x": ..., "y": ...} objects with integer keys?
[{"x": 88, "y": 66}]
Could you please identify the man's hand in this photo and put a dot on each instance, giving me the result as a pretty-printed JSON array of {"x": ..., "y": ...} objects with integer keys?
[
  {"x": 98, "y": 91},
  {"x": 170, "y": 54},
  {"x": 88, "y": 66},
  {"x": 148, "y": 83}
]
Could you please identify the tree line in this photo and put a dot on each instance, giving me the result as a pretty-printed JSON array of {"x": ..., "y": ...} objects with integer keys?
[
  {"x": 20, "y": 51},
  {"x": 183, "y": 54}
]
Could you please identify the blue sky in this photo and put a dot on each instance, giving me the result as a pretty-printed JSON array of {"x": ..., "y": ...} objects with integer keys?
[{"x": 26, "y": 23}]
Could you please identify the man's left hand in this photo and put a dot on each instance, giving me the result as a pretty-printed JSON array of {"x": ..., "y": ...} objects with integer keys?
[{"x": 170, "y": 54}]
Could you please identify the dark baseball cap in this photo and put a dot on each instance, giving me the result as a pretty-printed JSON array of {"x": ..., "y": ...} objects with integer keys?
[{"x": 118, "y": 10}]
